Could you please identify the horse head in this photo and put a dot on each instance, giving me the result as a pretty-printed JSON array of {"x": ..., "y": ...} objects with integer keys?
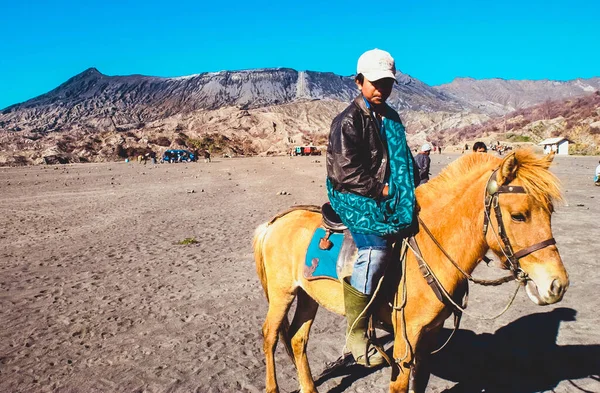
[{"x": 520, "y": 198}]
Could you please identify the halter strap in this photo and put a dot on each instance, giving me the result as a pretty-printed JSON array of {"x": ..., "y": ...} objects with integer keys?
[
  {"x": 526, "y": 251},
  {"x": 492, "y": 193}
]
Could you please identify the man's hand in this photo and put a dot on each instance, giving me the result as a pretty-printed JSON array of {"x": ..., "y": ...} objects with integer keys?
[{"x": 386, "y": 191}]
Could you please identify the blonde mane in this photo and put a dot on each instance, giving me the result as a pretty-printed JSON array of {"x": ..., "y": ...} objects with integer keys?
[{"x": 539, "y": 183}]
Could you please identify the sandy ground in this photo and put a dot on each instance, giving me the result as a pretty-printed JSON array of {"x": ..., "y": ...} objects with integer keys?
[{"x": 97, "y": 296}]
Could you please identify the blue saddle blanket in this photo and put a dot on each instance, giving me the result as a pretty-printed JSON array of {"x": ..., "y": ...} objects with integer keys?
[{"x": 322, "y": 263}]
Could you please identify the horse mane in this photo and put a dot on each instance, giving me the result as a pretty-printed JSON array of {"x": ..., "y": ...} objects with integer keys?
[{"x": 539, "y": 183}]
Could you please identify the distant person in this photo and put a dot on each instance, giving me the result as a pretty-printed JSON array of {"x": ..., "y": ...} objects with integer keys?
[
  {"x": 440, "y": 149},
  {"x": 206, "y": 156},
  {"x": 370, "y": 170},
  {"x": 597, "y": 177},
  {"x": 423, "y": 163},
  {"x": 479, "y": 147}
]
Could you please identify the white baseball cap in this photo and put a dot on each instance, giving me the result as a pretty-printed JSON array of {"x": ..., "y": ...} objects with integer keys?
[
  {"x": 426, "y": 147},
  {"x": 376, "y": 64}
]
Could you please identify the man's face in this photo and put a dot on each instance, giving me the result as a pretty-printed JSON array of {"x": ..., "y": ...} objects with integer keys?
[
  {"x": 376, "y": 92},
  {"x": 480, "y": 150}
]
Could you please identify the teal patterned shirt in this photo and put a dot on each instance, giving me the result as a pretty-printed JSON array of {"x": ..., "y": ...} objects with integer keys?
[{"x": 388, "y": 215}]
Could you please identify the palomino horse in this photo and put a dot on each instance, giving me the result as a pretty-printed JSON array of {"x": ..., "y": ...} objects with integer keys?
[{"x": 454, "y": 206}]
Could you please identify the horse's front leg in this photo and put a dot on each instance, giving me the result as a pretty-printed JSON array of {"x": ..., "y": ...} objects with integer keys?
[
  {"x": 404, "y": 348},
  {"x": 412, "y": 352},
  {"x": 400, "y": 377},
  {"x": 407, "y": 334},
  {"x": 422, "y": 366}
]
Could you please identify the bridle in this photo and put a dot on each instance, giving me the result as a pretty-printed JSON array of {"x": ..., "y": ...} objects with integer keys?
[
  {"x": 491, "y": 200},
  {"x": 492, "y": 194}
]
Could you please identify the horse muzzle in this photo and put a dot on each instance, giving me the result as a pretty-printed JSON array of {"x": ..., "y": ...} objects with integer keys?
[{"x": 545, "y": 292}]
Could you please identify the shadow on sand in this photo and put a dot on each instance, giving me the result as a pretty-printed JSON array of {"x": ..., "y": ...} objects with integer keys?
[
  {"x": 521, "y": 357},
  {"x": 346, "y": 366}
]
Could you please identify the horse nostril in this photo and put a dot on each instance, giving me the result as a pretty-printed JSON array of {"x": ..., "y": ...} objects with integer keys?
[{"x": 556, "y": 288}]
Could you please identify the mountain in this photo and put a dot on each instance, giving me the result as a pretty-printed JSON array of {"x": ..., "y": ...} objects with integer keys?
[
  {"x": 96, "y": 117},
  {"x": 499, "y": 96},
  {"x": 94, "y": 101},
  {"x": 577, "y": 119}
]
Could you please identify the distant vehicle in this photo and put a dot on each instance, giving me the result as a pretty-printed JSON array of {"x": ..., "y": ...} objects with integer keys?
[
  {"x": 306, "y": 151},
  {"x": 175, "y": 155}
]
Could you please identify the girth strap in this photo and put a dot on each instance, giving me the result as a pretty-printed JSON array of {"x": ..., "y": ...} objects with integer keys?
[
  {"x": 439, "y": 291},
  {"x": 425, "y": 271}
]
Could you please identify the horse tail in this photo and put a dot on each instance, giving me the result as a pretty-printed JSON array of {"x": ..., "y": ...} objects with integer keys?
[{"x": 257, "y": 245}]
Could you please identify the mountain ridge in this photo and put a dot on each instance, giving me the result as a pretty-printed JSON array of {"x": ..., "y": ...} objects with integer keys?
[
  {"x": 498, "y": 96},
  {"x": 97, "y": 117}
]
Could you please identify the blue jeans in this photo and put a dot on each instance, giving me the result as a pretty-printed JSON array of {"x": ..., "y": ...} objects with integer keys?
[{"x": 373, "y": 255}]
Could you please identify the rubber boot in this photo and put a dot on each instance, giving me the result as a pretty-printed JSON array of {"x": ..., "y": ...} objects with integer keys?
[{"x": 356, "y": 339}]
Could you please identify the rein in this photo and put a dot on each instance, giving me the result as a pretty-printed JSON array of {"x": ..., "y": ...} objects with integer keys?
[{"x": 495, "y": 282}]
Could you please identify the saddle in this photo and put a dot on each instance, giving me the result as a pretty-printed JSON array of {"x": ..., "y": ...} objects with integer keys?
[
  {"x": 332, "y": 224},
  {"x": 331, "y": 251}
]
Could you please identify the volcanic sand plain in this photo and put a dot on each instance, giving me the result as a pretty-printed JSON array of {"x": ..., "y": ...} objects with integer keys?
[{"x": 97, "y": 294}]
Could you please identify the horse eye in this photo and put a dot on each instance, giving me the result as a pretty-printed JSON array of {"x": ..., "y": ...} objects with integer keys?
[{"x": 518, "y": 217}]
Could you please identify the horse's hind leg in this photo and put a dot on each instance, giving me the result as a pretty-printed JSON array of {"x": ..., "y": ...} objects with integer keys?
[
  {"x": 306, "y": 309},
  {"x": 278, "y": 309}
]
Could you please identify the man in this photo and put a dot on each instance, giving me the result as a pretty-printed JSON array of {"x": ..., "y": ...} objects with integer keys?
[
  {"x": 423, "y": 161},
  {"x": 597, "y": 178},
  {"x": 479, "y": 147},
  {"x": 370, "y": 184}
]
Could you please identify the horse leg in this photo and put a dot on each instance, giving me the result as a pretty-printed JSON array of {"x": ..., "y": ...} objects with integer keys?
[
  {"x": 306, "y": 309},
  {"x": 422, "y": 367},
  {"x": 401, "y": 370},
  {"x": 412, "y": 348},
  {"x": 405, "y": 346},
  {"x": 278, "y": 309}
]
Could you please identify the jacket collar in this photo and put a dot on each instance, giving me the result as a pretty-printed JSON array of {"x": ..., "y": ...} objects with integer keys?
[{"x": 359, "y": 101}]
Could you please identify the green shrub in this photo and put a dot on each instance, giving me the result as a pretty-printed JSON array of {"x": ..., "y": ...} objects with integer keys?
[
  {"x": 187, "y": 241},
  {"x": 517, "y": 138}
]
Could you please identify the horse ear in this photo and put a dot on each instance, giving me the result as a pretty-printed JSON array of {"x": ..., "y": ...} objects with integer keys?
[{"x": 508, "y": 169}]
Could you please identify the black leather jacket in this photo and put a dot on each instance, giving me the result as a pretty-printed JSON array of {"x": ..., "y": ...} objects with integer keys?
[{"x": 357, "y": 159}]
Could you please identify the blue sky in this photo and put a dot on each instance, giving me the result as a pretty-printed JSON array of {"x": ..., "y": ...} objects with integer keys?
[{"x": 46, "y": 42}]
